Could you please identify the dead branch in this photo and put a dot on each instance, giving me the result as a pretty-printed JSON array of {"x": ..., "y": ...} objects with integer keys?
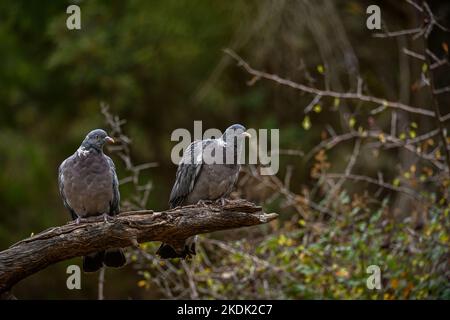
[
  {"x": 379, "y": 182},
  {"x": 428, "y": 55},
  {"x": 127, "y": 229},
  {"x": 326, "y": 93}
]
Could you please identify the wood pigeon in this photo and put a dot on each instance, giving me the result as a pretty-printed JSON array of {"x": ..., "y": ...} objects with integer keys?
[
  {"x": 207, "y": 171},
  {"x": 89, "y": 186}
]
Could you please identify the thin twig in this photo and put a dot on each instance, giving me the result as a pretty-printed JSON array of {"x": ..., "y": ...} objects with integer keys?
[
  {"x": 435, "y": 103},
  {"x": 101, "y": 282},
  {"x": 381, "y": 183},
  {"x": 327, "y": 93}
]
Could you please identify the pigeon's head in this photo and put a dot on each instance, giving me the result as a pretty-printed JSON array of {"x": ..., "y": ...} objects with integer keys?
[
  {"x": 237, "y": 131},
  {"x": 96, "y": 139}
]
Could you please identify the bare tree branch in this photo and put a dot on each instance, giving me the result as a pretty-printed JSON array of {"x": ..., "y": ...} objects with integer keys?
[
  {"x": 429, "y": 54},
  {"x": 441, "y": 90},
  {"x": 127, "y": 229},
  {"x": 398, "y": 33},
  {"x": 101, "y": 284},
  {"x": 378, "y": 182},
  {"x": 327, "y": 93}
]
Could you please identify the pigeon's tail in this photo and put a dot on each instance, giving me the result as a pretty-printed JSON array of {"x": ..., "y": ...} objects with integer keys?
[
  {"x": 93, "y": 262},
  {"x": 114, "y": 258},
  {"x": 110, "y": 258},
  {"x": 166, "y": 251}
]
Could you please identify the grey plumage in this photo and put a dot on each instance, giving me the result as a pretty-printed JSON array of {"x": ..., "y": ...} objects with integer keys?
[
  {"x": 207, "y": 171},
  {"x": 89, "y": 186}
]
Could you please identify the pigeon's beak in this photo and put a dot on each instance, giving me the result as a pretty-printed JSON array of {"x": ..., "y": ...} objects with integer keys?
[
  {"x": 109, "y": 140},
  {"x": 246, "y": 134}
]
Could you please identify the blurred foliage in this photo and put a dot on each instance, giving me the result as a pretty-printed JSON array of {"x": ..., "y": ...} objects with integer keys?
[
  {"x": 316, "y": 258},
  {"x": 160, "y": 66}
]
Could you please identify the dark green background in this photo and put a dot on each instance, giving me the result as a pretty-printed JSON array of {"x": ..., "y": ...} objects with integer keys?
[{"x": 160, "y": 66}]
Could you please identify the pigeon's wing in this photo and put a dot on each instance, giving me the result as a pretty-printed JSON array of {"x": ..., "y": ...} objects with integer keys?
[
  {"x": 115, "y": 203},
  {"x": 188, "y": 172},
  {"x": 61, "y": 190}
]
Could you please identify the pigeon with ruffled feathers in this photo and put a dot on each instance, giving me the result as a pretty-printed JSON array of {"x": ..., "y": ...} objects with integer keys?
[{"x": 207, "y": 171}]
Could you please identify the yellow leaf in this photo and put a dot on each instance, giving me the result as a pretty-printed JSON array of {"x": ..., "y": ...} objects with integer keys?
[
  {"x": 443, "y": 238},
  {"x": 352, "y": 122},
  {"x": 142, "y": 283},
  {"x": 336, "y": 102},
  {"x": 320, "y": 69},
  {"x": 424, "y": 67},
  {"x": 282, "y": 240},
  {"x": 317, "y": 108},
  {"x": 342, "y": 273},
  {"x": 407, "y": 290},
  {"x": 387, "y": 296},
  {"x": 306, "y": 124},
  {"x": 394, "y": 283},
  {"x": 445, "y": 47}
]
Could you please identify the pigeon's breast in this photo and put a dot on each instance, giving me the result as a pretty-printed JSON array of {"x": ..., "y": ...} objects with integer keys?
[
  {"x": 88, "y": 184},
  {"x": 214, "y": 182}
]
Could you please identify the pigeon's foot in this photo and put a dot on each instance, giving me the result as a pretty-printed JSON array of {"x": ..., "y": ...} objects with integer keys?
[
  {"x": 205, "y": 203},
  {"x": 223, "y": 201},
  {"x": 107, "y": 218},
  {"x": 80, "y": 220}
]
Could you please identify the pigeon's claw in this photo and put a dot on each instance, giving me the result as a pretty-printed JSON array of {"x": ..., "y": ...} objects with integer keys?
[
  {"x": 107, "y": 218},
  {"x": 204, "y": 203},
  {"x": 80, "y": 220},
  {"x": 222, "y": 201}
]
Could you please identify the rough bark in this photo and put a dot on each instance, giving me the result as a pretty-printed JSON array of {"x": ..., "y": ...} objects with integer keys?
[{"x": 126, "y": 229}]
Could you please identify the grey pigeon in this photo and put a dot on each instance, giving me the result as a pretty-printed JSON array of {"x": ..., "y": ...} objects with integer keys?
[
  {"x": 207, "y": 171},
  {"x": 89, "y": 187}
]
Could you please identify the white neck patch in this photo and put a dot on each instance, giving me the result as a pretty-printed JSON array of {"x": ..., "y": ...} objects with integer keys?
[
  {"x": 82, "y": 152},
  {"x": 221, "y": 142}
]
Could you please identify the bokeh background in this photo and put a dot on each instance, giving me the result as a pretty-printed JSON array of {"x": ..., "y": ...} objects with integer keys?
[{"x": 160, "y": 65}]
